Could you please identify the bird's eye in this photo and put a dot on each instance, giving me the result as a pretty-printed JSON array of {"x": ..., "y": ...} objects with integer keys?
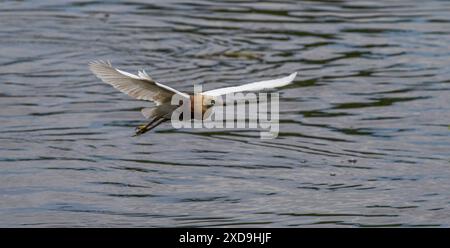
[{"x": 213, "y": 102}]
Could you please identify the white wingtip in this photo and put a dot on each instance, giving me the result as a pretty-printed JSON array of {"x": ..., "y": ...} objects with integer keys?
[
  {"x": 100, "y": 67},
  {"x": 267, "y": 84},
  {"x": 284, "y": 81},
  {"x": 292, "y": 76}
]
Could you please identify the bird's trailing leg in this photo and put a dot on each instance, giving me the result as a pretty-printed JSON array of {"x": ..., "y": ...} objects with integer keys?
[{"x": 145, "y": 128}]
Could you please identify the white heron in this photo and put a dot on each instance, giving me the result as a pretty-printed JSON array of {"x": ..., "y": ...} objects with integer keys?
[{"x": 143, "y": 87}]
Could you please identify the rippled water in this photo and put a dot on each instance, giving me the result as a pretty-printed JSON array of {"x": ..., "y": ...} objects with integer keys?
[{"x": 364, "y": 134}]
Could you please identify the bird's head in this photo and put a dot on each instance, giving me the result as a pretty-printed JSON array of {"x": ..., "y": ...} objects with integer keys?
[
  {"x": 203, "y": 102},
  {"x": 209, "y": 101}
]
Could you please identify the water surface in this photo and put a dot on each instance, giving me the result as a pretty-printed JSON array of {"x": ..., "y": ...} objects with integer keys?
[{"x": 364, "y": 134}]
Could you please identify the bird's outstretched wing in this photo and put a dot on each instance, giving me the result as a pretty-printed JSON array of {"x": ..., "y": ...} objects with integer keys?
[
  {"x": 140, "y": 86},
  {"x": 262, "y": 85}
]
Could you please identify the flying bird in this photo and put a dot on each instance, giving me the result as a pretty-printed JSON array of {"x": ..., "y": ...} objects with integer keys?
[{"x": 143, "y": 87}]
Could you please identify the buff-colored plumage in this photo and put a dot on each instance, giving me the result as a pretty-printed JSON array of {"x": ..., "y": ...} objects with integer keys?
[{"x": 143, "y": 87}]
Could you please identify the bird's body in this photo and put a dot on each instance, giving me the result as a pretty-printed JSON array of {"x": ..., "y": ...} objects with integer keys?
[{"x": 143, "y": 87}]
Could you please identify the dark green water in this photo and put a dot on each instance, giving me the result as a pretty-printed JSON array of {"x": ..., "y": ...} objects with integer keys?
[{"x": 364, "y": 135}]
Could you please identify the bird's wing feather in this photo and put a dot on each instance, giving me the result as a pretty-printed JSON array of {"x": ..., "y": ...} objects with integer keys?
[
  {"x": 268, "y": 84},
  {"x": 140, "y": 86}
]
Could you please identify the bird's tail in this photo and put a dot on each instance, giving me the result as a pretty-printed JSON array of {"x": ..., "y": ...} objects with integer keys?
[{"x": 148, "y": 112}]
